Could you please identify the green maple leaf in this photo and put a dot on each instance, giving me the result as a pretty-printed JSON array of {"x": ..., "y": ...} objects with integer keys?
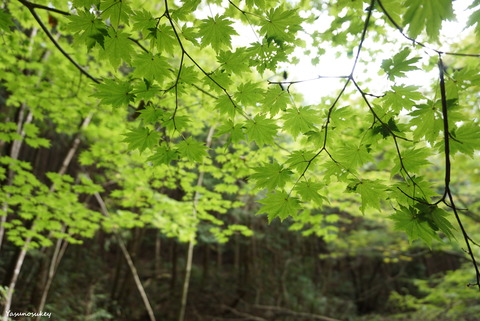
[
  {"x": 189, "y": 75},
  {"x": 118, "y": 47},
  {"x": 308, "y": 190},
  {"x": 234, "y": 131},
  {"x": 427, "y": 15},
  {"x": 439, "y": 221},
  {"x": 413, "y": 160},
  {"x": 146, "y": 90},
  {"x": 151, "y": 67},
  {"x": 84, "y": 3},
  {"x": 352, "y": 156},
  {"x": 266, "y": 55},
  {"x": 143, "y": 21},
  {"x": 141, "y": 138},
  {"x": 414, "y": 225},
  {"x": 261, "y": 130},
  {"x": 249, "y": 93},
  {"x": 217, "y": 32},
  {"x": 89, "y": 29},
  {"x": 6, "y": 20},
  {"x": 465, "y": 139},
  {"x": 299, "y": 120},
  {"x": 163, "y": 155},
  {"x": 399, "y": 64},
  {"x": 371, "y": 192},
  {"x": 299, "y": 159},
  {"x": 117, "y": 11},
  {"x": 274, "y": 100},
  {"x": 151, "y": 114},
  {"x": 386, "y": 129},
  {"x": 192, "y": 149},
  {"x": 177, "y": 123},
  {"x": 271, "y": 176},
  {"x": 257, "y": 3},
  {"x": 225, "y": 106},
  {"x": 234, "y": 61},
  {"x": 279, "y": 204},
  {"x": 281, "y": 24},
  {"x": 402, "y": 97},
  {"x": 428, "y": 122},
  {"x": 474, "y": 20},
  {"x": 115, "y": 92},
  {"x": 164, "y": 38}
]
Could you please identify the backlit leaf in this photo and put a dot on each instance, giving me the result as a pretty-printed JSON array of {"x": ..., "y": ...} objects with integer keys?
[
  {"x": 299, "y": 120},
  {"x": 261, "y": 130},
  {"x": 141, "y": 138},
  {"x": 115, "y": 92},
  {"x": 271, "y": 176},
  {"x": 399, "y": 64},
  {"x": 217, "y": 32},
  {"x": 192, "y": 149},
  {"x": 279, "y": 204},
  {"x": 426, "y": 15}
]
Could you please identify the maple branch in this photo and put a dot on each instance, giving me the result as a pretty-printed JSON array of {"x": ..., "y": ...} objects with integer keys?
[
  {"x": 448, "y": 165},
  {"x": 293, "y": 82},
  {"x": 364, "y": 33},
  {"x": 395, "y": 140},
  {"x": 400, "y": 29},
  {"x": 176, "y": 89},
  {"x": 185, "y": 52},
  {"x": 31, "y": 7},
  {"x": 137, "y": 42},
  {"x": 324, "y": 147},
  {"x": 128, "y": 258}
]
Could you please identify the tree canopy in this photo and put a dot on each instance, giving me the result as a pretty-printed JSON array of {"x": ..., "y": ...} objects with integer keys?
[{"x": 177, "y": 115}]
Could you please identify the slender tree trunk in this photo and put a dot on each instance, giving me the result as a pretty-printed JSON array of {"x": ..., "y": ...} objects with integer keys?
[
  {"x": 58, "y": 253},
  {"x": 13, "y": 282},
  {"x": 130, "y": 263},
  {"x": 14, "y": 153},
  {"x": 174, "y": 258},
  {"x": 158, "y": 259},
  {"x": 16, "y": 146},
  {"x": 186, "y": 283},
  {"x": 191, "y": 243}
]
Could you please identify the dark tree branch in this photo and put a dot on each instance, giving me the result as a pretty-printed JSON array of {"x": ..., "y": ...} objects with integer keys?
[
  {"x": 137, "y": 42},
  {"x": 31, "y": 8},
  {"x": 448, "y": 192},
  {"x": 185, "y": 52},
  {"x": 364, "y": 33},
  {"x": 293, "y": 82}
]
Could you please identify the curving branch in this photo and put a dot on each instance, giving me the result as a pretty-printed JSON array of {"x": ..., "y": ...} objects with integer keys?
[
  {"x": 31, "y": 7},
  {"x": 185, "y": 52},
  {"x": 448, "y": 192}
]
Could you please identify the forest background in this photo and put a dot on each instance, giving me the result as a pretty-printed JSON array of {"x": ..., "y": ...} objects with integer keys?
[{"x": 160, "y": 162}]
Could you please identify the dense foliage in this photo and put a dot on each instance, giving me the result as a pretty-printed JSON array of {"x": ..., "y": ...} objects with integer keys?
[{"x": 176, "y": 122}]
